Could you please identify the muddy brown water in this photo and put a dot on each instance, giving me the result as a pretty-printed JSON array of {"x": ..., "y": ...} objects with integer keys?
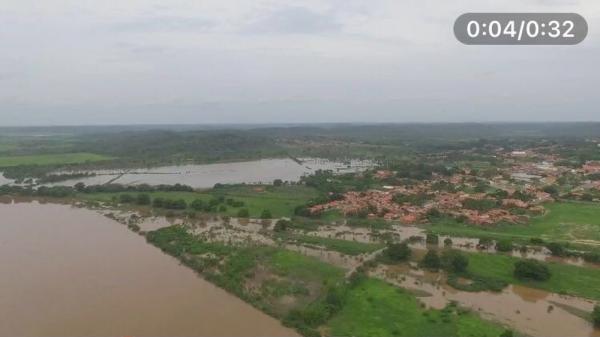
[
  {"x": 66, "y": 271},
  {"x": 531, "y": 311}
]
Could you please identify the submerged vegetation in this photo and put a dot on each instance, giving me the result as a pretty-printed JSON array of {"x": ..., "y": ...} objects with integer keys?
[{"x": 512, "y": 189}]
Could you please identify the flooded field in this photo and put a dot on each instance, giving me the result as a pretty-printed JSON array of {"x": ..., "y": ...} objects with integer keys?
[
  {"x": 205, "y": 176},
  {"x": 416, "y": 236},
  {"x": 74, "y": 272},
  {"x": 532, "y": 311}
]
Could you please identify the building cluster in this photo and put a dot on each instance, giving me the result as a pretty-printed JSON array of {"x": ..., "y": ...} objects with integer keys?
[{"x": 527, "y": 172}]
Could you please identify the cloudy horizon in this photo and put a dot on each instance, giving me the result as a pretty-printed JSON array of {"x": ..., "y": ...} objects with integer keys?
[{"x": 216, "y": 62}]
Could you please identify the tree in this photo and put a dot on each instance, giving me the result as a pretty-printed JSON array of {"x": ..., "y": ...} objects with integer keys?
[
  {"x": 79, "y": 187},
  {"x": 277, "y": 182},
  {"x": 266, "y": 214},
  {"x": 551, "y": 189},
  {"x": 504, "y": 245},
  {"x": 454, "y": 261},
  {"x": 447, "y": 242},
  {"x": 431, "y": 260},
  {"x": 282, "y": 225},
  {"x": 398, "y": 251},
  {"x": 432, "y": 239},
  {"x": 531, "y": 269},
  {"x": 596, "y": 315},
  {"x": 556, "y": 248},
  {"x": 243, "y": 213},
  {"x": 433, "y": 214},
  {"x": 197, "y": 204}
]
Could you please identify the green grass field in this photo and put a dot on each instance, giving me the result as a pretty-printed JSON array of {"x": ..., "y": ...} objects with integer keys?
[
  {"x": 281, "y": 201},
  {"x": 51, "y": 159},
  {"x": 298, "y": 266},
  {"x": 375, "y": 308},
  {"x": 565, "y": 279},
  {"x": 564, "y": 221}
]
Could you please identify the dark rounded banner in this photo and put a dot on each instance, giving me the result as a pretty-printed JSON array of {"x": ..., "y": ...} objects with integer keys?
[{"x": 520, "y": 28}]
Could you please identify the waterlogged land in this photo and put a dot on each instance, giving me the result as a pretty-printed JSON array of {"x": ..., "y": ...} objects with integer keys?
[
  {"x": 449, "y": 235},
  {"x": 74, "y": 272},
  {"x": 299, "y": 276}
]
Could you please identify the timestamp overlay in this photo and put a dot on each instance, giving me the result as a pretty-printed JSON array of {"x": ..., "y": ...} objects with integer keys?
[{"x": 520, "y": 28}]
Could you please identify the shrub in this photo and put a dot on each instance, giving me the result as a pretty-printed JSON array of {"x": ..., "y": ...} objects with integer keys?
[
  {"x": 454, "y": 261},
  {"x": 431, "y": 260},
  {"x": 432, "y": 239},
  {"x": 433, "y": 214},
  {"x": 398, "y": 251},
  {"x": 197, "y": 204},
  {"x": 507, "y": 333},
  {"x": 591, "y": 257},
  {"x": 243, "y": 213},
  {"x": 504, "y": 245},
  {"x": 485, "y": 242},
  {"x": 142, "y": 199},
  {"x": 536, "y": 241},
  {"x": 266, "y": 214},
  {"x": 556, "y": 248},
  {"x": 531, "y": 269},
  {"x": 282, "y": 225},
  {"x": 596, "y": 315},
  {"x": 447, "y": 242}
]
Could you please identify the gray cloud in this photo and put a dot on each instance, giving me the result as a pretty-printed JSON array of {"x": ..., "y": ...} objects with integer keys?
[
  {"x": 164, "y": 23},
  {"x": 284, "y": 61},
  {"x": 293, "y": 20}
]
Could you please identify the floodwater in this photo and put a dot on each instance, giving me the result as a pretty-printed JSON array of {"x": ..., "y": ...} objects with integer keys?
[
  {"x": 530, "y": 311},
  {"x": 205, "y": 176},
  {"x": 67, "y": 271},
  {"x": 416, "y": 236},
  {"x": 5, "y": 181}
]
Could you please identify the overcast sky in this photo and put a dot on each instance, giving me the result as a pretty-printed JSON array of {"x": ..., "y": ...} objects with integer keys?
[{"x": 284, "y": 61}]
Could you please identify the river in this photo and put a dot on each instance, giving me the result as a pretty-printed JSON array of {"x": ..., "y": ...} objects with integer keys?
[{"x": 66, "y": 271}]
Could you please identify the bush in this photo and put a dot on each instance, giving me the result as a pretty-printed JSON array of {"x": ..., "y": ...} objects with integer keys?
[
  {"x": 197, "y": 204},
  {"x": 432, "y": 239},
  {"x": 125, "y": 198},
  {"x": 433, "y": 214},
  {"x": 536, "y": 241},
  {"x": 531, "y": 269},
  {"x": 431, "y": 260},
  {"x": 504, "y": 245},
  {"x": 142, "y": 199},
  {"x": 596, "y": 316},
  {"x": 556, "y": 248},
  {"x": 282, "y": 225},
  {"x": 454, "y": 261},
  {"x": 507, "y": 333},
  {"x": 243, "y": 213},
  {"x": 266, "y": 214},
  {"x": 398, "y": 251},
  {"x": 593, "y": 257},
  {"x": 485, "y": 242},
  {"x": 447, "y": 242}
]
